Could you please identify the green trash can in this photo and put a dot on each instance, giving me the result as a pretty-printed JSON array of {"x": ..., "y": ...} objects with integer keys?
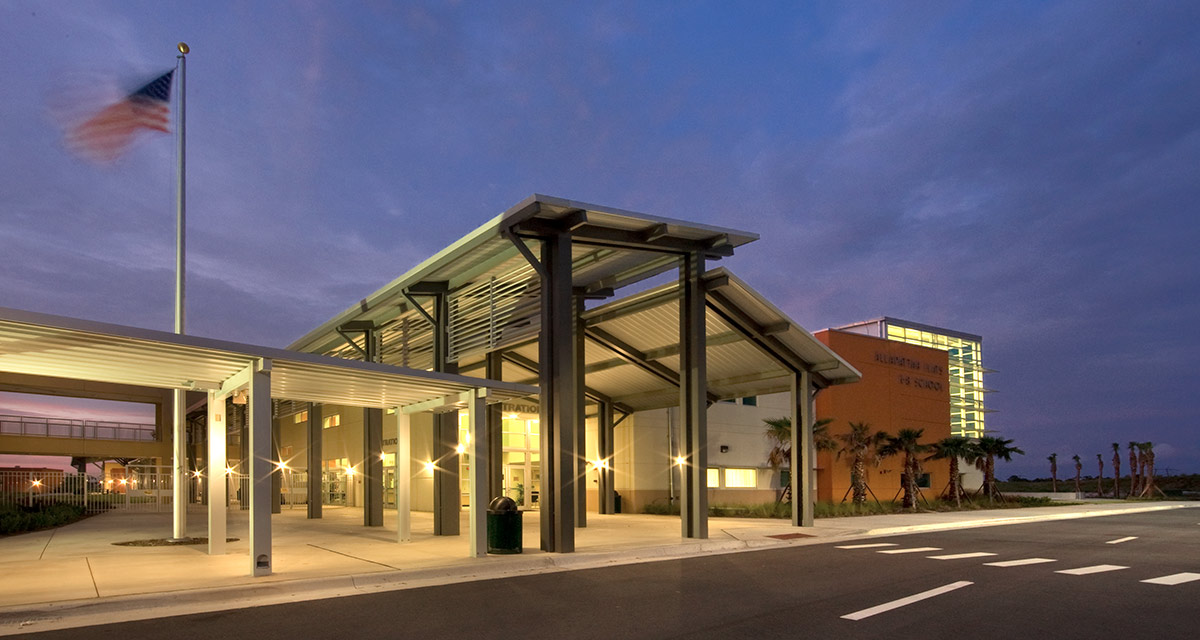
[{"x": 503, "y": 526}]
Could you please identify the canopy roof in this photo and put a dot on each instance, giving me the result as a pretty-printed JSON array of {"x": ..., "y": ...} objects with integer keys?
[
  {"x": 48, "y": 345},
  {"x": 632, "y": 348},
  {"x": 493, "y": 289}
]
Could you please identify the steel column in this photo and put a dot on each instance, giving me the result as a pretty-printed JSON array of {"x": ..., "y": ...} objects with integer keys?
[
  {"x": 218, "y": 482},
  {"x": 604, "y": 450},
  {"x": 478, "y": 474},
  {"x": 179, "y": 465},
  {"x": 493, "y": 370},
  {"x": 259, "y": 410},
  {"x": 316, "y": 460},
  {"x": 580, "y": 431},
  {"x": 277, "y": 472},
  {"x": 372, "y": 467},
  {"x": 557, "y": 397},
  {"x": 447, "y": 497},
  {"x": 403, "y": 476},
  {"x": 802, "y": 449},
  {"x": 693, "y": 399}
]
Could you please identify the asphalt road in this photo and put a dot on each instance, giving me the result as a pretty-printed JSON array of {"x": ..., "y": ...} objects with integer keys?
[{"x": 819, "y": 591}]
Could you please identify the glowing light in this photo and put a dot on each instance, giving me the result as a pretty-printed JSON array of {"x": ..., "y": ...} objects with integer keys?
[
  {"x": 36, "y": 483},
  {"x": 124, "y": 481},
  {"x": 429, "y": 467},
  {"x": 511, "y": 416},
  {"x": 680, "y": 460},
  {"x": 281, "y": 465},
  {"x": 467, "y": 437},
  {"x": 195, "y": 474},
  {"x": 350, "y": 471},
  {"x": 228, "y": 471},
  {"x": 459, "y": 449},
  {"x": 382, "y": 457}
]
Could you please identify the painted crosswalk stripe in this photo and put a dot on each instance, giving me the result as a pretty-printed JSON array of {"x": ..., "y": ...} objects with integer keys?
[
  {"x": 1099, "y": 568},
  {"x": 962, "y": 556},
  {"x": 1019, "y": 563},
  {"x": 896, "y": 604},
  {"x": 910, "y": 550},
  {"x": 871, "y": 545},
  {"x": 1120, "y": 540},
  {"x": 1174, "y": 579}
]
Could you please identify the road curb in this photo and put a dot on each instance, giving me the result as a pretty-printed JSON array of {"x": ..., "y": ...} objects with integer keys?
[{"x": 992, "y": 522}]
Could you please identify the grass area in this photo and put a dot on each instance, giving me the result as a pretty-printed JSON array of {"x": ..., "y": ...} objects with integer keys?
[
  {"x": 846, "y": 509},
  {"x": 20, "y": 519}
]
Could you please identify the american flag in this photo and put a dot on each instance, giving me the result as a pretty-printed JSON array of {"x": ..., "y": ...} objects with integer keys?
[{"x": 106, "y": 135}]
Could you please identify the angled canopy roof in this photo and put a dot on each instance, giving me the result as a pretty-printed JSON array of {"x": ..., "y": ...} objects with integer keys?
[
  {"x": 632, "y": 348},
  {"x": 493, "y": 289},
  {"x": 48, "y": 345}
]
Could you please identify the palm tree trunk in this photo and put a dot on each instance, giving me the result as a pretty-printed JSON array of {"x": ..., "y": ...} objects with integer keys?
[
  {"x": 1133, "y": 472},
  {"x": 858, "y": 480},
  {"x": 954, "y": 482},
  {"x": 1116, "y": 475}
]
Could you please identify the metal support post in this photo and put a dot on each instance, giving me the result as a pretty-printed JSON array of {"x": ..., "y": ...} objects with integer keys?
[
  {"x": 493, "y": 370},
  {"x": 580, "y": 423},
  {"x": 277, "y": 472},
  {"x": 179, "y": 477},
  {"x": 557, "y": 396},
  {"x": 604, "y": 448},
  {"x": 693, "y": 399},
  {"x": 802, "y": 449},
  {"x": 403, "y": 477},
  {"x": 373, "y": 467},
  {"x": 218, "y": 490},
  {"x": 316, "y": 460},
  {"x": 259, "y": 410},
  {"x": 478, "y": 452},
  {"x": 447, "y": 492}
]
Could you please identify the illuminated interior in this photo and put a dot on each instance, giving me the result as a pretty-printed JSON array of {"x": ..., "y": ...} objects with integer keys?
[{"x": 966, "y": 376}]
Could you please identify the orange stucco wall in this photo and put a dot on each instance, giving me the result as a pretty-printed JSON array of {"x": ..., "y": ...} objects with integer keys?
[{"x": 903, "y": 386}]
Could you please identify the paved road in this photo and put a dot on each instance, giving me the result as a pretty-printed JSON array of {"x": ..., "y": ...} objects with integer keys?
[{"x": 1069, "y": 579}]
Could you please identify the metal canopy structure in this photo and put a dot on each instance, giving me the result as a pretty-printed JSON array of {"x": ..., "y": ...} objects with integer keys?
[
  {"x": 492, "y": 289},
  {"x": 62, "y": 347},
  {"x": 55, "y": 346},
  {"x": 632, "y": 348}
]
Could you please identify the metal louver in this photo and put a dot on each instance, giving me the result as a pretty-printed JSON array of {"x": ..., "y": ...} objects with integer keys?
[{"x": 493, "y": 313}]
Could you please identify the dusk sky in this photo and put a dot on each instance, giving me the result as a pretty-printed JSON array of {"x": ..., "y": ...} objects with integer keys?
[{"x": 1023, "y": 171}]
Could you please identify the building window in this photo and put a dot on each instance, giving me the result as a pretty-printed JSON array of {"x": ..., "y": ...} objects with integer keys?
[
  {"x": 714, "y": 478},
  {"x": 334, "y": 420},
  {"x": 741, "y": 478},
  {"x": 301, "y": 417},
  {"x": 750, "y": 401}
]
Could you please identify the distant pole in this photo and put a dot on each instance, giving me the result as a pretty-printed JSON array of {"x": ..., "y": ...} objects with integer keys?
[
  {"x": 179, "y": 478},
  {"x": 180, "y": 190}
]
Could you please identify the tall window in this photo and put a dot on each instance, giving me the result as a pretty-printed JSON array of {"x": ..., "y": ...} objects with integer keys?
[{"x": 331, "y": 421}]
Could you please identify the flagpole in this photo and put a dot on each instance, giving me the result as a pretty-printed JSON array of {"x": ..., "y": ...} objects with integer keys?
[{"x": 180, "y": 479}]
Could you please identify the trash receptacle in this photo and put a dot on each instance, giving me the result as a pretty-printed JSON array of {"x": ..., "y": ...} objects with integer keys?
[{"x": 503, "y": 526}]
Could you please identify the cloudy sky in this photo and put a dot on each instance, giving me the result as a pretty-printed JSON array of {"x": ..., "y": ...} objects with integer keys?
[{"x": 1024, "y": 171}]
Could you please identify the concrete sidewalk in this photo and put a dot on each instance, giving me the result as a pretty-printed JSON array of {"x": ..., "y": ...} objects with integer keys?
[{"x": 75, "y": 576}]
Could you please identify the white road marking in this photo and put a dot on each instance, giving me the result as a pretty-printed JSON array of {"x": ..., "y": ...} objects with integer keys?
[
  {"x": 1120, "y": 540},
  {"x": 962, "y": 556},
  {"x": 868, "y": 546},
  {"x": 1019, "y": 563},
  {"x": 910, "y": 550},
  {"x": 1099, "y": 568},
  {"x": 896, "y": 604},
  {"x": 1174, "y": 579}
]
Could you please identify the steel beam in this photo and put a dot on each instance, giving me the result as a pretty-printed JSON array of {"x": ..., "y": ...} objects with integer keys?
[
  {"x": 277, "y": 470},
  {"x": 639, "y": 359},
  {"x": 372, "y": 467},
  {"x": 403, "y": 477},
  {"x": 580, "y": 431},
  {"x": 605, "y": 451},
  {"x": 476, "y": 400},
  {"x": 693, "y": 399},
  {"x": 493, "y": 370}
]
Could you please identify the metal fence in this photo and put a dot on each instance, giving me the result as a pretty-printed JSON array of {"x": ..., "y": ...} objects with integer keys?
[{"x": 14, "y": 425}]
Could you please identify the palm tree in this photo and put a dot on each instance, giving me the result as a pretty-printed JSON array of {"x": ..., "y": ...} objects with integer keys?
[
  {"x": 1133, "y": 469},
  {"x": 860, "y": 444},
  {"x": 952, "y": 449},
  {"x": 1116, "y": 460},
  {"x": 990, "y": 448},
  {"x": 1100, "y": 478},
  {"x": 906, "y": 442},
  {"x": 1079, "y": 467},
  {"x": 1053, "y": 472},
  {"x": 779, "y": 434},
  {"x": 1147, "y": 452}
]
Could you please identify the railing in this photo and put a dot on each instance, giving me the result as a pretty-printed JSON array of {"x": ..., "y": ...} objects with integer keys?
[{"x": 13, "y": 425}]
